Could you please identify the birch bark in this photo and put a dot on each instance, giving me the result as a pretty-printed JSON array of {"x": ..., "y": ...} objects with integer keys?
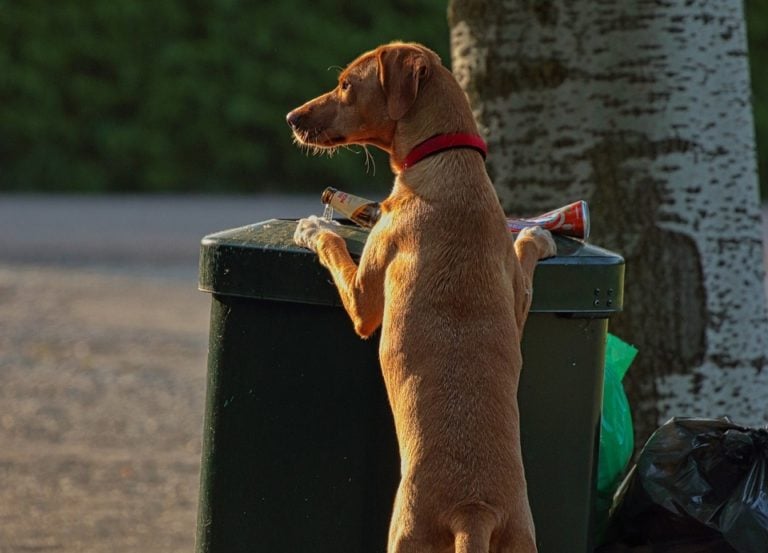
[{"x": 643, "y": 109}]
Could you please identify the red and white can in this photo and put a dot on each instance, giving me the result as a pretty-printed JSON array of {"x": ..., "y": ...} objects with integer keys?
[{"x": 569, "y": 220}]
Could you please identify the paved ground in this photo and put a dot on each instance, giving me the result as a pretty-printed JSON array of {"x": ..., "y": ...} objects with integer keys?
[
  {"x": 103, "y": 340},
  {"x": 152, "y": 235}
]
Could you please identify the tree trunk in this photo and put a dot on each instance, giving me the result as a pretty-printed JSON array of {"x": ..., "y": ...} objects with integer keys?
[{"x": 643, "y": 109}]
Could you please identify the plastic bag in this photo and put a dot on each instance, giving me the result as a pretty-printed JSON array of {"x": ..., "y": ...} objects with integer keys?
[
  {"x": 616, "y": 432},
  {"x": 698, "y": 481}
]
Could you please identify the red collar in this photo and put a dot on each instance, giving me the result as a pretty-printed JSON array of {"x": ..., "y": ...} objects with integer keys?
[{"x": 443, "y": 142}]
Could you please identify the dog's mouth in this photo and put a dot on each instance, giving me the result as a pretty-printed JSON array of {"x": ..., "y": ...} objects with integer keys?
[
  {"x": 319, "y": 138},
  {"x": 306, "y": 131}
]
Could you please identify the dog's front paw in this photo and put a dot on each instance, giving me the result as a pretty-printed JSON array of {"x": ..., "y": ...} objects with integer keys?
[
  {"x": 541, "y": 238},
  {"x": 309, "y": 229}
]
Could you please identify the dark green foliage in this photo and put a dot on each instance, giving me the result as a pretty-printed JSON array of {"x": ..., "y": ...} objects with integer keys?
[
  {"x": 190, "y": 95},
  {"x": 757, "y": 28},
  {"x": 183, "y": 95}
]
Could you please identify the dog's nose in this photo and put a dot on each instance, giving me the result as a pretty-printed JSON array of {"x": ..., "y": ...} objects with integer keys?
[{"x": 293, "y": 119}]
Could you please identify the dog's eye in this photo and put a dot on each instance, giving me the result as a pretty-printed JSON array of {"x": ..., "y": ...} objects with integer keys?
[{"x": 345, "y": 85}]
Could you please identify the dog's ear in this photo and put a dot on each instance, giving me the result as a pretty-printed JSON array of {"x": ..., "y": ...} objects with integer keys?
[{"x": 401, "y": 69}]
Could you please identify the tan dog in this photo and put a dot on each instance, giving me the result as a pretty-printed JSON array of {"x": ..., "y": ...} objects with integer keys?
[{"x": 451, "y": 291}]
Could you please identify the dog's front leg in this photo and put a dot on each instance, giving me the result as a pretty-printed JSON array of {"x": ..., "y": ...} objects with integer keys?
[
  {"x": 361, "y": 287},
  {"x": 531, "y": 245}
]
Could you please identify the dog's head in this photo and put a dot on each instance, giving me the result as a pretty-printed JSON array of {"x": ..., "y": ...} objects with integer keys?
[{"x": 373, "y": 93}]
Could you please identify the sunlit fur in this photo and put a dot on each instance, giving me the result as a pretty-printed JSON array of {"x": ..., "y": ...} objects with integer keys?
[{"x": 450, "y": 290}]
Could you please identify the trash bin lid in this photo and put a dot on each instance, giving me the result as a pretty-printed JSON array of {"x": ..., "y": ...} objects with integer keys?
[{"x": 261, "y": 261}]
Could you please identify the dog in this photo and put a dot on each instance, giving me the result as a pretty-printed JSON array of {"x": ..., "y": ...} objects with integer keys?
[{"x": 449, "y": 288}]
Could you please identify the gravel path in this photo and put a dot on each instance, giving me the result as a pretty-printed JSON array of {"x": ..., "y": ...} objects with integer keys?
[
  {"x": 103, "y": 343},
  {"x": 102, "y": 380}
]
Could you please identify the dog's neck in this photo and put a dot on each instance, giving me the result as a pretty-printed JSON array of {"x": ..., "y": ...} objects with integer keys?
[
  {"x": 442, "y": 142},
  {"x": 440, "y": 109}
]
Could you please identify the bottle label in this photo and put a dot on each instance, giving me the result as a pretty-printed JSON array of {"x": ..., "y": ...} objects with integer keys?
[{"x": 347, "y": 203}]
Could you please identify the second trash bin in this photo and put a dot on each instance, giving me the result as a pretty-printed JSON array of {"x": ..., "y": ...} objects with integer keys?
[{"x": 299, "y": 450}]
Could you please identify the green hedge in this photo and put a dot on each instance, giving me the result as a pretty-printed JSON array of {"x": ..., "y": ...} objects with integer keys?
[
  {"x": 190, "y": 95},
  {"x": 182, "y": 95}
]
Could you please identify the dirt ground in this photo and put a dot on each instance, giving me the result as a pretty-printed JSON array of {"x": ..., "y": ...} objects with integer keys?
[
  {"x": 102, "y": 382},
  {"x": 103, "y": 345}
]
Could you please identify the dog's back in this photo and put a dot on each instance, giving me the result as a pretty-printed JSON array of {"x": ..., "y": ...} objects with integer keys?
[{"x": 450, "y": 355}]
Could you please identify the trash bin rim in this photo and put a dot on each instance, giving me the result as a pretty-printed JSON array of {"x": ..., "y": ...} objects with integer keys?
[{"x": 260, "y": 247}]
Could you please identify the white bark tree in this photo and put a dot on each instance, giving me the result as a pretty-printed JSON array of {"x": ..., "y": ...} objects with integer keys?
[{"x": 643, "y": 109}]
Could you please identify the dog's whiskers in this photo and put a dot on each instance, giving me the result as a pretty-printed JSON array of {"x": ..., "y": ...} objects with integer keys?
[
  {"x": 306, "y": 140},
  {"x": 303, "y": 141},
  {"x": 369, "y": 161}
]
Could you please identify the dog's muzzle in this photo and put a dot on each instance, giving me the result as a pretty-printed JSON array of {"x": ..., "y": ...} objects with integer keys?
[{"x": 294, "y": 120}]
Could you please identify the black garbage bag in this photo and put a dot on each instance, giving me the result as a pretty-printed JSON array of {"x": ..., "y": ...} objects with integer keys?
[{"x": 699, "y": 481}]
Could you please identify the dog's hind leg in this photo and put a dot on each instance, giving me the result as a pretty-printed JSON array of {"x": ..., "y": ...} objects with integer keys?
[
  {"x": 412, "y": 545},
  {"x": 518, "y": 535},
  {"x": 405, "y": 539},
  {"x": 413, "y": 528},
  {"x": 520, "y": 541}
]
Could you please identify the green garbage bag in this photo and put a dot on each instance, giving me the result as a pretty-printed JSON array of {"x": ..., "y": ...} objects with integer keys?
[{"x": 616, "y": 432}]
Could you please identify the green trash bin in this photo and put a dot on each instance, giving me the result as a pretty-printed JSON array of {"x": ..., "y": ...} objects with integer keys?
[{"x": 299, "y": 449}]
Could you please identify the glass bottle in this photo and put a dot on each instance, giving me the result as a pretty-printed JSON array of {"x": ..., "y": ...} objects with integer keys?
[{"x": 363, "y": 212}]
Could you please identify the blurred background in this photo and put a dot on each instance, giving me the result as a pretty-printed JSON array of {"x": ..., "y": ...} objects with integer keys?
[{"x": 190, "y": 96}]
